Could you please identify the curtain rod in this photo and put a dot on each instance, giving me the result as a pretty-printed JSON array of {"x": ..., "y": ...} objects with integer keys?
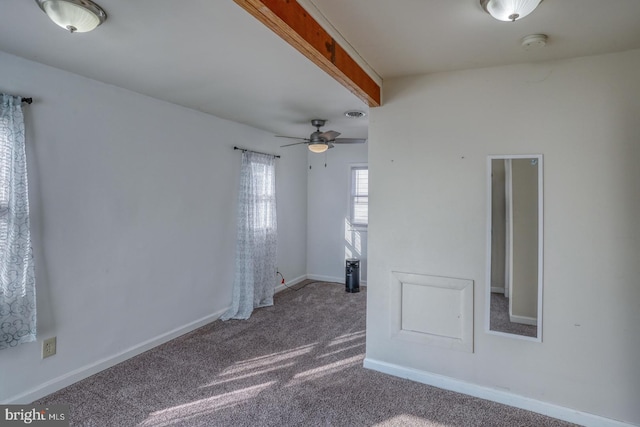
[
  {"x": 26, "y": 100},
  {"x": 245, "y": 149}
]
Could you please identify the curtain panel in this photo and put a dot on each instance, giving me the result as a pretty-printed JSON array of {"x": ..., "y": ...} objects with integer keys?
[
  {"x": 17, "y": 278},
  {"x": 255, "y": 266}
]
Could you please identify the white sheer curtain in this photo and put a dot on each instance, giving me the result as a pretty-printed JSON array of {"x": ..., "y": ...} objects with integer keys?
[
  {"x": 17, "y": 279},
  {"x": 255, "y": 273}
]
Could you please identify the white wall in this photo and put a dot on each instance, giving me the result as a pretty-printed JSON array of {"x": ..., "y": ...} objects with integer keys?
[
  {"x": 329, "y": 240},
  {"x": 133, "y": 205},
  {"x": 427, "y": 157}
]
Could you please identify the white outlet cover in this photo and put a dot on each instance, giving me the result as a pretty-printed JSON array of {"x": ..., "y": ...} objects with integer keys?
[{"x": 51, "y": 343}]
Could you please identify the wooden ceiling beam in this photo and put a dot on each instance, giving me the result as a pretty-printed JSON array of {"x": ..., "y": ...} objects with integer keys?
[{"x": 291, "y": 21}]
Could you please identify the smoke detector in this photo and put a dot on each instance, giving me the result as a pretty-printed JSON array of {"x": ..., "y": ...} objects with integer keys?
[{"x": 534, "y": 41}]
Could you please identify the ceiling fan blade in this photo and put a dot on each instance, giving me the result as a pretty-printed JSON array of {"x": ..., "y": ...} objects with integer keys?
[
  {"x": 330, "y": 135},
  {"x": 295, "y": 143},
  {"x": 330, "y": 145},
  {"x": 292, "y": 137},
  {"x": 350, "y": 141}
]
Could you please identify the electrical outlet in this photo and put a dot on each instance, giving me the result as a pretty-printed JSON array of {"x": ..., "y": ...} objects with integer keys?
[{"x": 48, "y": 347}]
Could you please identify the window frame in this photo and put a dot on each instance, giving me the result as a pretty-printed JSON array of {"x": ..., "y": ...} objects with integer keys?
[
  {"x": 353, "y": 168},
  {"x": 266, "y": 194}
]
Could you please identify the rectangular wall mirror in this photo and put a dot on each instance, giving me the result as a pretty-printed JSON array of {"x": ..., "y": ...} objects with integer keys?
[{"x": 514, "y": 246}]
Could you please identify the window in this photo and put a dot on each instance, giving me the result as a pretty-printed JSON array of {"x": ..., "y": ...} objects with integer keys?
[
  {"x": 359, "y": 196},
  {"x": 256, "y": 252},
  {"x": 263, "y": 192}
]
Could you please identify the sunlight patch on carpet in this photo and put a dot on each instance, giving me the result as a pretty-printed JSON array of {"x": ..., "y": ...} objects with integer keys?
[
  {"x": 324, "y": 370},
  {"x": 409, "y": 420},
  {"x": 233, "y": 378},
  {"x": 269, "y": 359},
  {"x": 340, "y": 350},
  {"x": 346, "y": 338},
  {"x": 179, "y": 413}
]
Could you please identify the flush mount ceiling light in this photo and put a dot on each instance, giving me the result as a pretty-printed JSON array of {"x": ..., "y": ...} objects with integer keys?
[
  {"x": 318, "y": 147},
  {"x": 509, "y": 10},
  {"x": 76, "y": 16}
]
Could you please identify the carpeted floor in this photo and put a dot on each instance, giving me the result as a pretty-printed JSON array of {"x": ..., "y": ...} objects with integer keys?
[
  {"x": 298, "y": 363},
  {"x": 500, "y": 318}
]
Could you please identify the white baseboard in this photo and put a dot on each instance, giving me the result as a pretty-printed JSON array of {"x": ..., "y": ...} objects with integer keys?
[
  {"x": 500, "y": 396},
  {"x": 532, "y": 321},
  {"x": 292, "y": 282},
  {"x": 322, "y": 278},
  {"x": 83, "y": 372},
  {"x": 497, "y": 289},
  {"x": 93, "y": 368},
  {"x": 332, "y": 279}
]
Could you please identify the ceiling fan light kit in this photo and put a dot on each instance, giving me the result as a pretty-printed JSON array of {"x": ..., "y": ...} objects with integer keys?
[
  {"x": 76, "y": 16},
  {"x": 509, "y": 10},
  {"x": 318, "y": 147}
]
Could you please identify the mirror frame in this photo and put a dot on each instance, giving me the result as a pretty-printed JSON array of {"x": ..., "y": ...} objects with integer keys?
[{"x": 490, "y": 158}]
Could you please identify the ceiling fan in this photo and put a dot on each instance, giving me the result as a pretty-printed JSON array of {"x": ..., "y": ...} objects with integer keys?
[{"x": 319, "y": 142}]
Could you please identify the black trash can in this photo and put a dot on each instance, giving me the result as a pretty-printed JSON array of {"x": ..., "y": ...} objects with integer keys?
[{"x": 352, "y": 275}]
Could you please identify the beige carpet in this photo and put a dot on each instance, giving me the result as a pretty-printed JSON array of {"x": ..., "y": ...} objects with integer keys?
[{"x": 298, "y": 363}]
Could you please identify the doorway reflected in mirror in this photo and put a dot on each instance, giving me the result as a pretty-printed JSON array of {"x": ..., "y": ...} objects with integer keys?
[{"x": 514, "y": 271}]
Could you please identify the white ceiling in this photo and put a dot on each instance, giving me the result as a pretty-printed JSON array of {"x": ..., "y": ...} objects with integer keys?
[
  {"x": 405, "y": 37},
  {"x": 212, "y": 56}
]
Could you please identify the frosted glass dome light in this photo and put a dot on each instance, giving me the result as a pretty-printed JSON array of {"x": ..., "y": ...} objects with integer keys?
[
  {"x": 509, "y": 10},
  {"x": 76, "y": 16},
  {"x": 318, "y": 147}
]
